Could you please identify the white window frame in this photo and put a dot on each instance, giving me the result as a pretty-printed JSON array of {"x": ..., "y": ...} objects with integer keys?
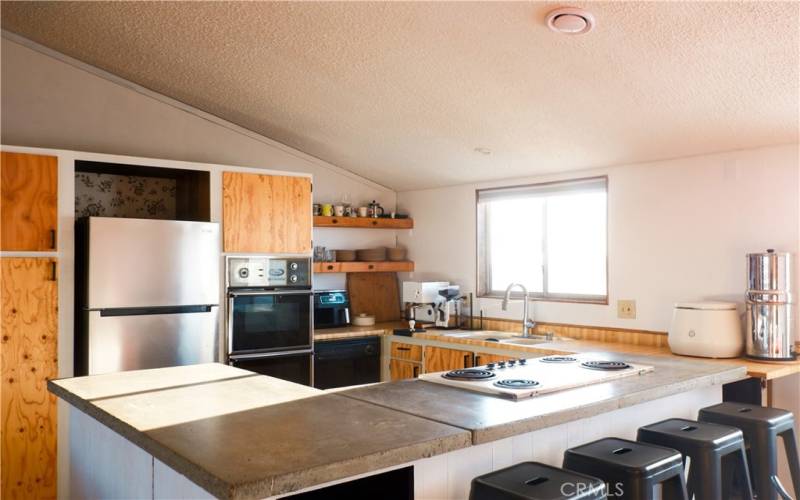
[{"x": 484, "y": 259}]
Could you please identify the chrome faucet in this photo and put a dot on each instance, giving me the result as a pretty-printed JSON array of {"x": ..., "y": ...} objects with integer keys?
[{"x": 527, "y": 323}]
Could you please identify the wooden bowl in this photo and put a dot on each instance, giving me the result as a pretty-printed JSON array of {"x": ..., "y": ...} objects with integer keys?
[
  {"x": 396, "y": 254},
  {"x": 371, "y": 255},
  {"x": 345, "y": 255}
]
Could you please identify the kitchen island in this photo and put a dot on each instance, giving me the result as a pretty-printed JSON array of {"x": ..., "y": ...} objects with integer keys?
[{"x": 216, "y": 431}]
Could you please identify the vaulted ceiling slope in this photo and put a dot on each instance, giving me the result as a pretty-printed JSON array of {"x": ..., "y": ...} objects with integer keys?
[{"x": 403, "y": 93}]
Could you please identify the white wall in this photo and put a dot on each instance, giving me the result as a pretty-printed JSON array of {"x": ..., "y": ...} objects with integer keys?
[
  {"x": 50, "y": 103},
  {"x": 678, "y": 230}
]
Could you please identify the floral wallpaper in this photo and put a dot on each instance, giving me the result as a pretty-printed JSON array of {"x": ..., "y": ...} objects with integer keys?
[{"x": 109, "y": 195}]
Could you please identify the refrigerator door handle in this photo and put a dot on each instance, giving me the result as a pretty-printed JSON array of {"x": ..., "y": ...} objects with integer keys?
[{"x": 148, "y": 311}]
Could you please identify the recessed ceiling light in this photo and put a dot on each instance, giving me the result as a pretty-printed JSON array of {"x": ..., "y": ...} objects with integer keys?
[
  {"x": 570, "y": 21},
  {"x": 483, "y": 151}
]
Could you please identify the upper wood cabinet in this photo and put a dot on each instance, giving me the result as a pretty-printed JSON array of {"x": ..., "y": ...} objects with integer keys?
[
  {"x": 29, "y": 202},
  {"x": 266, "y": 213},
  {"x": 29, "y": 321}
]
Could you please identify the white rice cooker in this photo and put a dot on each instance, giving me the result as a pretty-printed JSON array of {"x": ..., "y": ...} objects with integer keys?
[{"x": 706, "y": 329}]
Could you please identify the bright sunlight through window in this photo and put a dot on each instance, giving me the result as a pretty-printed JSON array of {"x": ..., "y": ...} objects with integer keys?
[{"x": 549, "y": 237}]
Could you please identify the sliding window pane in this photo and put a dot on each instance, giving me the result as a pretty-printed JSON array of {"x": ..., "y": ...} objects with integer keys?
[
  {"x": 576, "y": 244},
  {"x": 515, "y": 243}
]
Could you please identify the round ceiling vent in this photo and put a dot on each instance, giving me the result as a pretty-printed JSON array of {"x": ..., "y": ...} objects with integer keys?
[{"x": 570, "y": 21}]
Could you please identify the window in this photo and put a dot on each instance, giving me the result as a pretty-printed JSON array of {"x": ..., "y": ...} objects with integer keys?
[{"x": 549, "y": 237}]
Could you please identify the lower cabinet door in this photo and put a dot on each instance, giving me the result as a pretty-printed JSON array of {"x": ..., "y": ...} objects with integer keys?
[
  {"x": 29, "y": 320},
  {"x": 439, "y": 359},
  {"x": 399, "y": 369}
]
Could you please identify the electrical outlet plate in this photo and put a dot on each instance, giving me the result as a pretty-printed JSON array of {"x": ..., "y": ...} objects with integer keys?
[{"x": 626, "y": 309}]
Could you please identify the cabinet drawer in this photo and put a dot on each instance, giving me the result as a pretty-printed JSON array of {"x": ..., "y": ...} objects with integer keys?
[{"x": 407, "y": 351}]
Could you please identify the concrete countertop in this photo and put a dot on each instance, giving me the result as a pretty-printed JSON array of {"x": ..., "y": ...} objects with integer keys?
[
  {"x": 757, "y": 369},
  {"x": 493, "y": 418},
  {"x": 238, "y": 434}
]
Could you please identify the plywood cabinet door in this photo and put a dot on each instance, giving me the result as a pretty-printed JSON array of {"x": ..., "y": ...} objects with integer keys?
[
  {"x": 29, "y": 320},
  {"x": 266, "y": 213},
  {"x": 29, "y": 202},
  {"x": 400, "y": 370},
  {"x": 438, "y": 359}
]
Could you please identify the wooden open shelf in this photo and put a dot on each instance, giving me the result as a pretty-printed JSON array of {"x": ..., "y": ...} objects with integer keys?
[
  {"x": 363, "y": 267},
  {"x": 363, "y": 222}
]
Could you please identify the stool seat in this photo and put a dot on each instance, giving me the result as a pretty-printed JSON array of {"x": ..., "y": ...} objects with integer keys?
[
  {"x": 692, "y": 433},
  {"x": 536, "y": 481},
  {"x": 631, "y": 469},
  {"x": 748, "y": 415},
  {"x": 761, "y": 426},
  {"x": 707, "y": 444}
]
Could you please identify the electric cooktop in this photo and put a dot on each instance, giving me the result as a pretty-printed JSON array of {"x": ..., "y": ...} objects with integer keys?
[{"x": 525, "y": 378}]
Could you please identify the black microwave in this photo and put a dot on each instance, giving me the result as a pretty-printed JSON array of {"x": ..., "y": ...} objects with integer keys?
[{"x": 331, "y": 309}]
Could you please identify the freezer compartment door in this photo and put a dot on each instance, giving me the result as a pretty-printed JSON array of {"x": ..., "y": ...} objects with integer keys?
[
  {"x": 125, "y": 341},
  {"x": 144, "y": 263}
]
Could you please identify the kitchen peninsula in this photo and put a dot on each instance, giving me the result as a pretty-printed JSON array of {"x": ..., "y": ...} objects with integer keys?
[{"x": 217, "y": 431}]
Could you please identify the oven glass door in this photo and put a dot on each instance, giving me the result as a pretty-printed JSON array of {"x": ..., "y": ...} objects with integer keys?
[
  {"x": 269, "y": 321},
  {"x": 294, "y": 367}
]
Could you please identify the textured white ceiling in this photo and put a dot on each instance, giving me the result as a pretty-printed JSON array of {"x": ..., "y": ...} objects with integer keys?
[{"x": 402, "y": 93}]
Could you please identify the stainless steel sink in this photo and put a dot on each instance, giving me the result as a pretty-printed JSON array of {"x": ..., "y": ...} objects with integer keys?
[
  {"x": 503, "y": 337},
  {"x": 525, "y": 341},
  {"x": 488, "y": 336}
]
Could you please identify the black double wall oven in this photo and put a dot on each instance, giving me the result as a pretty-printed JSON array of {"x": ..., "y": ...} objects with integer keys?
[{"x": 270, "y": 316}]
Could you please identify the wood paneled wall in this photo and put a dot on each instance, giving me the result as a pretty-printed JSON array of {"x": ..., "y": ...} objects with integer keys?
[
  {"x": 29, "y": 321},
  {"x": 602, "y": 334}
]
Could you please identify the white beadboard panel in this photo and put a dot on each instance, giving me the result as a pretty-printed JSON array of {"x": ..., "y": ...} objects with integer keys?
[
  {"x": 502, "y": 454},
  {"x": 465, "y": 464},
  {"x": 170, "y": 485},
  {"x": 522, "y": 448},
  {"x": 104, "y": 464},
  {"x": 428, "y": 473}
]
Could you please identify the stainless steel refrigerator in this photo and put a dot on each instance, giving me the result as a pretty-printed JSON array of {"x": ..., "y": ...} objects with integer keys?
[{"x": 147, "y": 294}]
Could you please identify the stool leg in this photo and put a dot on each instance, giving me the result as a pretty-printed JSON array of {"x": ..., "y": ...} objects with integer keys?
[
  {"x": 765, "y": 464},
  {"x": 639, "y": 490},
  {"x": 745, "y": 471},
  {"x": 705, "y": 477},
  {"x": 790, "y": 445},
  {"x": 675, "y": 488}
]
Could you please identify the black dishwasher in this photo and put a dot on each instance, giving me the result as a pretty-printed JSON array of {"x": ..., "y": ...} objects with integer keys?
[{"x": 339, "y": 363}]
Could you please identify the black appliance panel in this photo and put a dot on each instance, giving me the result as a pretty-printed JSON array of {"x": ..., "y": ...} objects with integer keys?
[
  {"x": 331, "y": 309},
  {"x": 275, "y": 321},
  {"x": 341, "y": 363},
  {"x": 294, "y": 367}
]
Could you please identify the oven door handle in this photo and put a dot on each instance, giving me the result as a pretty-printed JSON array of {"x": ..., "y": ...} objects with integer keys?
[
  {"x": 262, "y": 355},
  {"x": 270, "y": 292}
]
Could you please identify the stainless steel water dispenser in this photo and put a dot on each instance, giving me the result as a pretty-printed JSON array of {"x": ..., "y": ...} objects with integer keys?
[{"x": 770, "y": 306}]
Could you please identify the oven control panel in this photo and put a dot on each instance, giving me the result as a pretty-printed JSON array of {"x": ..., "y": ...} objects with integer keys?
[{"x": 271, "y": 272}]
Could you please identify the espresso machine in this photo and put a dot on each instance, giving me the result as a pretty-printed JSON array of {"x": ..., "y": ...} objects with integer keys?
[
  {"x": 434, "y": 303},
  {"x": 769, "y": 314}
]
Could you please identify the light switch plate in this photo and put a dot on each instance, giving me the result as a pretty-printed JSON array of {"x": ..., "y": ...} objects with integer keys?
[{"x": 626, "y": 309}]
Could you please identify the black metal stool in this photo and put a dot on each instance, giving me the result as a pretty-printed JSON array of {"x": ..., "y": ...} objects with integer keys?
[
  {"x": 761, "y": 427},
  {"x": 535, "y": 481},
  {"x": 707, "y": 445},
  {"x": 631, "y": 470}
]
